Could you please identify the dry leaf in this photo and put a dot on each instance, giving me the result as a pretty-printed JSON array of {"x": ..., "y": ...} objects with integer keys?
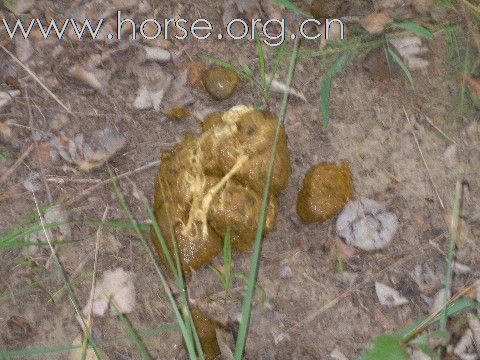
[
  {"x": 5, "y": 132},
  {"x": 366, "y": 224},
  {"x": 44, "y": 153},
  {"x": 195, "y": 70},
  {"x": 116, "y": 285},
  {"x": 154, "y": 83},
  {"x": 281, "y": 88},
  {"x": 389, "y": 296},
  {"x": 20, "y": 329},
  {"x": 411, "y": 51},
  {"x": 92, "y": 155},
  {"x": 93, "y": 77},
  {"x": 32, "y": 182},
  {"x": 375, "y": 23},
  {"x": 465, "y": 348}
]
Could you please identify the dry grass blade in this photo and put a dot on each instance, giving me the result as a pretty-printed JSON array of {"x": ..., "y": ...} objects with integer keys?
[
  {"x": 37, "y": 149},
  {"x": 423, "y": 160},
  {"x": 88, "y": 329},
  {"x": 89, "y": 190},
  {"x": 17, "y": 163},
  {"x": 440, "y": 130},
  {"x": 35, "y": 77}
]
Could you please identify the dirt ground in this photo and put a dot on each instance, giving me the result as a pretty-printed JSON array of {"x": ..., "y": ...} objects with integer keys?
[{"x": 312, "y": 308}]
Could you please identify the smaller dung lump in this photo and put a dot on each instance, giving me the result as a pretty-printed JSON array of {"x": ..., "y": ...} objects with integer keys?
[
  {"x": 220, "y": 82},
  {"x": 326, "y": 188}
]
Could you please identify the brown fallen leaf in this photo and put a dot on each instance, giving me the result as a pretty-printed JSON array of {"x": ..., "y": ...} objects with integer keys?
[
  {"x": 44, "y": 153},
  {"x": 375, "y": 23},
  {"x": 20, "y": 329},
  {"x": 5, "y": 132},
  {"x": 89, "y": 156},
  {"x": 195, "y": 70}
]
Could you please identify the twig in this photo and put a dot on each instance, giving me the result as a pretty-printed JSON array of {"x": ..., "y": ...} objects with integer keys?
[
  {"x": 440, "y": 130},
  {"x": 35, "y": 77},
  {"x": 424, "y": 161},
  {"x": 37, "y": 150},
  {"x": 109, "y": 180},
  {"x": 60, "y": 180},
  {"x": 17, "y": 163},
  {"x": 88, "y": 330}
]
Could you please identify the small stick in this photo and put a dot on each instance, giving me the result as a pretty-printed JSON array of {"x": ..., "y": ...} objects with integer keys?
[
  {"x": 440, "y": 130},
  {"x": 37, "y": 150},
  {"x": 60, "y": 180},
  {"x": 423, "y": 159},
  {"x": 9, "y": 172},
  {"x": 89, "y": 321},
  {"x": 108, "y": 181},
  {"x": 35, "y": 77}
]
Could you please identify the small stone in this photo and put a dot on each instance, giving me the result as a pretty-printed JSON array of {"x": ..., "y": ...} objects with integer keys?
[
  {"x": 220, "y": 82},
  {"x": 366, "y": 224},
  {"x": 157, "y": 54},
  {"x": 286, "y": 272},
  {"x": 389, "y": 296},
  {"x": 326, "y": 189},
  {"x": 6, "y": 97}
]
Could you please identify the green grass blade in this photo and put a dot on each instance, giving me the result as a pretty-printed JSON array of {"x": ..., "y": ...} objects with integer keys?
[
  {"x": 402, "y": 65},
  {"x": 227, "y": 259},
  {"x": 176, "y": 270},
  {"x": 244, "y": 71},
  {"x": 252, "y": 278},
  {"x": 132, "y": 333},
  {"x": 189, "y": 343},
  {"x": 414, "y": 28},
  {"x": 386, "y": 348},
  {"x": 454, "y": 308},
  {"x": 279, "y": 57},
  {"x": 9, "y": 354},
  {"x": 326, "y": 87}
]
